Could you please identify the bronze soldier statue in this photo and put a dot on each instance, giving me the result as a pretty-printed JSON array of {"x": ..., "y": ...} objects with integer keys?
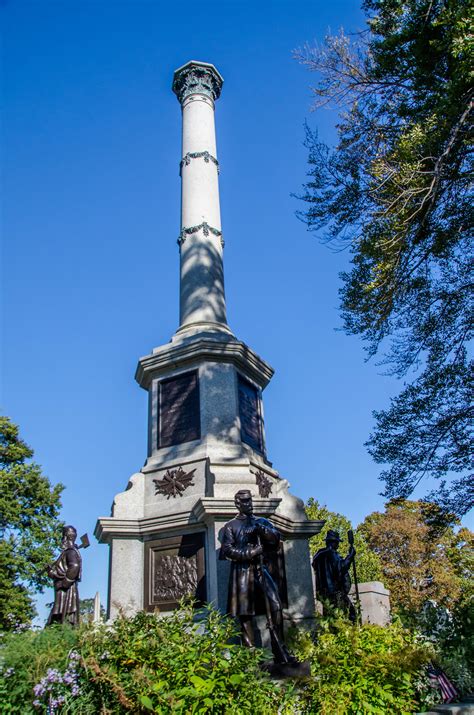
[
  {"x": 246, "y": 541},
  {"x": 333, "y": 582},
  {"x": 66, "y": 572}
]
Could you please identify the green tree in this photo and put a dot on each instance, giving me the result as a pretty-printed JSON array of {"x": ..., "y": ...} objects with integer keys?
[
  {"x": 29, "y": 527},
  {"x": 422, "y": 558},
  {"x": 367, "y": 561},
  {"x": 397, "y": 190}
]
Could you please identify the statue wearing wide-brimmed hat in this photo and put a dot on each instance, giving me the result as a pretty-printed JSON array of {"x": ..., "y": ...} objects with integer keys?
[{"x": 333, "y": 582}]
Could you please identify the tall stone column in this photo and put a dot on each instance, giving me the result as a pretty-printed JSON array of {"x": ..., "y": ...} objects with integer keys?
[
  {"x": 206, "y": 428},
  {"x": 202, "y": 300}
]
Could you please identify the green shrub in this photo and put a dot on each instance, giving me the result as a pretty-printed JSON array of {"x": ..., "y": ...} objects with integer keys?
[
  {"x": 188, "y": 662},
  {"x": 178, "y": 664},
  {"x": 25, "y": 659},
  {"x": 362, "y": 669},
  {"x": 182, "y": 663}
]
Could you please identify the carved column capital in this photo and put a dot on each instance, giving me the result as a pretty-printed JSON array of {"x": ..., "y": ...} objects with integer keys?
[{"x": 197, "y": 78}]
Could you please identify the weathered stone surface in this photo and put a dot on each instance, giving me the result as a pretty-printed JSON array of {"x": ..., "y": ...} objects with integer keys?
[{"x": 374, "y": 602}]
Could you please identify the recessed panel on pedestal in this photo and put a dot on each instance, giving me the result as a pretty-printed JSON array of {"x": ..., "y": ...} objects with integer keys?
[
  {"x": 250, "y": 415},
  {"x": 178, "y": 416},
  {"x": 174, "y": 568}
]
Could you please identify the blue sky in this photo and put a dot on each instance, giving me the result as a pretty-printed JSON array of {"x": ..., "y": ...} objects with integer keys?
[{"x": 91, "y": 136}]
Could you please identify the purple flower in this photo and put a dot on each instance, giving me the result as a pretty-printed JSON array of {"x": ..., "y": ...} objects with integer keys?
[
  {"x": 75, "y": 690},
  {"x": 53, "y": 675},
  {"x": 8, "y": 672},
  {"x": 39, "y": 689}
]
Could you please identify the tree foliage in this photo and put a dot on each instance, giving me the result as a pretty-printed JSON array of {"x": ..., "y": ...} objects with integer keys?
[
  {"x": 422, "y": 558},
  {"x": 397, "y": 190},
  {"x": 29, "y": 526},
  {"x": 368, "y": 564}
]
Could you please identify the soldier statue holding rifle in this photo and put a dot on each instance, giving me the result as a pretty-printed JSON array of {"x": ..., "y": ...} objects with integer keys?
[
  {"x": 246, "y": 541},
  {"x": 333, "y": 582}
]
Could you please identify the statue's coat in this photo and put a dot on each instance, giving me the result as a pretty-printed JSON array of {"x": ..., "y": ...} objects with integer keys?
[{"x": 66, "y": 572}]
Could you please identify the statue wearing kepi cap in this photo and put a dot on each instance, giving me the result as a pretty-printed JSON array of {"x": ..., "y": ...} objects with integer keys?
[
  {"x": 333, "y": 582},
  {"x": 246, "y": 542},
  {"x": 66, "y": 572}
]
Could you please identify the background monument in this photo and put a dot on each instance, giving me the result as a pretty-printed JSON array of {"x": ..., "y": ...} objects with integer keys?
[{"x": 206, "y": 437}]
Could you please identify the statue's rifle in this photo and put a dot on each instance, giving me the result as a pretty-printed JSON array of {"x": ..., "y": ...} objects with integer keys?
[
  {"x": 278, "y": 648},
  {"x": 350, "y": 538}
]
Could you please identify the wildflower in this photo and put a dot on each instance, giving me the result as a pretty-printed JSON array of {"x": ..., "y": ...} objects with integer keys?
[
  {"x": 68, "y": 678},
  {"x": 53, "y": 676},
  {"x": 8, "y": 672}
]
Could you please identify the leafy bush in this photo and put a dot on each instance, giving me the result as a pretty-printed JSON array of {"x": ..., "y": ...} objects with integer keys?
[
  {"x": 26, "y": 658},
  {"x": 176, "y": 664},
  {"x": 189, "y": 662},
  {"x": 363, "y": 669}
]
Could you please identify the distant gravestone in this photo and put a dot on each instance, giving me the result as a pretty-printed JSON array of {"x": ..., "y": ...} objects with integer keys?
[{"x": 374, "y": 602}]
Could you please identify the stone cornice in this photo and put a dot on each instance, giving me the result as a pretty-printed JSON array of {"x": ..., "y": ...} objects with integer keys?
[
  {"x": 224, "y": 510},
  {"x": 197, "y": 78},
  {"x": 205, "y": 509},
  {"x": 173, "y": 356},
  {"x": 108, "y": 527}
]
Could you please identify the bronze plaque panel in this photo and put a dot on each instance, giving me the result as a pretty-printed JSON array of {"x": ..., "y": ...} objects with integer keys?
[
  {"x": 249, "y": 412},
  {"x": 174, "y": 568},
  {"x": 179, "y": 419}
]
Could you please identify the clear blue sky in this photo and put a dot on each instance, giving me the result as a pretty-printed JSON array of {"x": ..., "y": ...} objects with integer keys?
[{"x": 91, "y": 137}]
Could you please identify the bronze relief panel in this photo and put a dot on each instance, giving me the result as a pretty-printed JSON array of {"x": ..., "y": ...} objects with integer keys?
[{"x": 174, "y": 568}]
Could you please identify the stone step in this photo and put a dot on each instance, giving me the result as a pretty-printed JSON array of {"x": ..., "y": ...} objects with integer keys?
[{"x": 466, "y": 707}]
